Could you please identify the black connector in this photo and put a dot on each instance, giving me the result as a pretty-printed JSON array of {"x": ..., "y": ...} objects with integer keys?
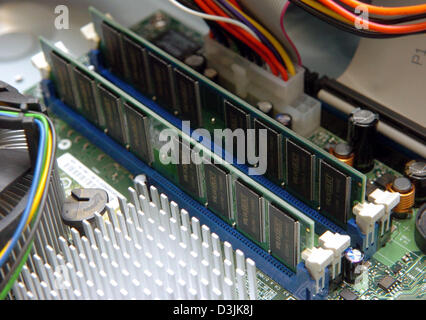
[{"x": 11, "y": 97}]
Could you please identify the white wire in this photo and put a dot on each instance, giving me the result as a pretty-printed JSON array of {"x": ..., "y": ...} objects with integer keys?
[{"x": 214, "y": 18}]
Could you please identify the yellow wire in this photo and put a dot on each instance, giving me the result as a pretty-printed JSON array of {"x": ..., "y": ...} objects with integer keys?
[
  {"x": 39, "y": 192},
  {"x": 318, "y": 6},
  {"x": 43, "y": 182},
  {"x": 271, "y": 38},
  {"x": 4, "y": 248}
]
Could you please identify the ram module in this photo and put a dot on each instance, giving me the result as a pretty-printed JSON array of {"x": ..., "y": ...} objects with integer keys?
[
  {"x": 183, "y": 178},
  {"x": 313, "y": 195}
]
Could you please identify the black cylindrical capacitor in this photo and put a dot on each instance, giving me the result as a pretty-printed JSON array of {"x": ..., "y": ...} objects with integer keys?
[
  {"x": 196, "y": 62},
  {"x": 416, "y": 172},
  {"x": 352, "y": 264},
  {"x": 285, "y": 119},
  {"x": 362, "y": 137}
]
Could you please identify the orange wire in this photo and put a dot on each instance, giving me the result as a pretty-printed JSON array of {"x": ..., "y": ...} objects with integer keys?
[
  {"x": 388, "y": 11},
  {"x": 407, "y": 28},
  {"x": 245, "y": 37}
]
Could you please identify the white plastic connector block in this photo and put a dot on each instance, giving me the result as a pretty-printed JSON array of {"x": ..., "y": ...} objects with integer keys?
[
  {"x": 90, "y": 34},
  {"x": 255, "y": 84},
  {"x": 367, "y": 214},
  {"x": 338, "y": 244},
  {"x": 305, "y": 113},
  {"x": 390, "y": 200},
  {"x": 316, "y": 260}
]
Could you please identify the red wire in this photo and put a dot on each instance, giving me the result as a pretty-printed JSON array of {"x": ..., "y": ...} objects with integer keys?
[
  {"x": 285, "y": 8},
  {"x": 211, "y": 8}
]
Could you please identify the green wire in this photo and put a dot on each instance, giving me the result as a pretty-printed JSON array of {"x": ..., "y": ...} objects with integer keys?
[{"x": 15, "y": 275}]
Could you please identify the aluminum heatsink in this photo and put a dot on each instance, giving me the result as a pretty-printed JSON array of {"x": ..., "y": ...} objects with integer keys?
[{"x": 149, "y": 249}]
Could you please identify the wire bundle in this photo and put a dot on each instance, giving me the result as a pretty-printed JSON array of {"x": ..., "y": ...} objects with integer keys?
[
  {"x": 382, "y": 22},
  {"x": 232, "y": 24},
  {"x": 31, "y": 215}
]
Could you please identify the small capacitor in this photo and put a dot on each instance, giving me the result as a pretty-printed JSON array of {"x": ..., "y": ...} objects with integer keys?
[
  {"x": 407, "y": 192},
  {"x": 211, "y": 74},
  {"x": 343, "y": 152},
  {"x": 285, "y": 119},
  {"x": 352, "y": 264},
  {"x": 196, "y": 62},
  {"x": 416, "y": 172},
  {"x": 362, "y": 131},
  {"x": 265, "y": 106}
]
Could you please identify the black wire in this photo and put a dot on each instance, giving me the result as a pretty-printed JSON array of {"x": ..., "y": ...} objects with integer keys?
[
  {"x": 346, "y": 27},
  {"x": 34, "y": 228}
]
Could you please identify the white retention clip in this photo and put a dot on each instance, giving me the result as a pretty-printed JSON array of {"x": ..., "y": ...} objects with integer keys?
[
  {"x": 60, "y": 45},
  {"x": 316, "y": 260},
  {"x": 390, "y": 200},
  {"x": 367, "y": 214},
  {"x": 338, "y": 244},
  {"x": 89, "y": 33},
  {"x": 39, "y": 61}
]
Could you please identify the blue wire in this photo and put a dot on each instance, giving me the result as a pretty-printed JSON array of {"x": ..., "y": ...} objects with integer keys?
[{"x": 33, "y": 189}]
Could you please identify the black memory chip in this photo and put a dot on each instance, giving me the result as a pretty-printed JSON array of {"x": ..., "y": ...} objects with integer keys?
[
  {"x": 188, "y": 98},
  {"x": 249, "y": 211},
  {"x": 188, "y": 172},
  {"x": 217, "y": 188},
  {"x": 87, "y": 88},
  {"x": 111, "y": 107},
  {"x": 335, "y": 190},
  {"x": 347, "y": 294},
  {"x": 138, "y": 128},
  {"x": 161, "y": 74},
  {"x": 176, "y": 44},
  {"x": 283, "y": 236},
  {"x": 300, "y": 170},
  {"x": 137, "y": 62},
  {"x": 62, "y": 79},
  {"x": 236, "y": 118},
  {"x": 274, "y": 170},
  {"x": 113, "y": 49},
  {"x": 387, "y": 283}
]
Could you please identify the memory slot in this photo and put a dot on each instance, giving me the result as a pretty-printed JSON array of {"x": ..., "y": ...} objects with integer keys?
[{"x": 239, "y": 114}]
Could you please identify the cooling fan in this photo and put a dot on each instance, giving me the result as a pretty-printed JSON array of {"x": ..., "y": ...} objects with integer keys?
[{"x": 31, "y": 194}]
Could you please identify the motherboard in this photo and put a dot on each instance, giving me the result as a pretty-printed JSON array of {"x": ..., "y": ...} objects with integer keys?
[{"x": 161, "y": 136}]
